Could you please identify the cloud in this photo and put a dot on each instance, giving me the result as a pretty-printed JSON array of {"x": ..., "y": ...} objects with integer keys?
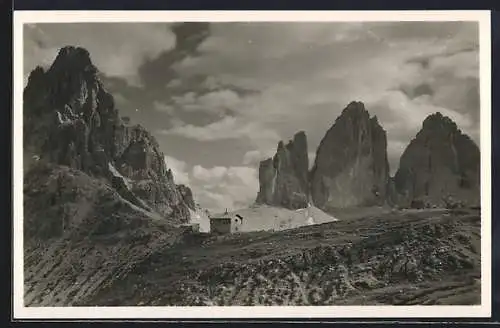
[
  {"x": 228, "y": 128},
  {"x": 164, "y": 108},
  {"x": 158, "y": 71},
  {"x": 316, "y": 69},
  {"x": 253, "y": 157},
  {"x": 219, "y": 187},
  {"x": 209, "y": 175},
  {"x": 311, "y": 156},
  {"x": 216, "y": 102},
  {"x": 117, "y": 49}
]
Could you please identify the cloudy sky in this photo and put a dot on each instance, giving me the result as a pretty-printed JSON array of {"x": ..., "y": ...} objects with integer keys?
[{"x": 219, "y": 96}]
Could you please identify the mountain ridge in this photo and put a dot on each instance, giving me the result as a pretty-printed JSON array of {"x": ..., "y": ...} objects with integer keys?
[{"x": 354, "y": 168}]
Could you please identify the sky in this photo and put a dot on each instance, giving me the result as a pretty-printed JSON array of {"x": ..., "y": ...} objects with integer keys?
[{"x": 220, "y": 96}]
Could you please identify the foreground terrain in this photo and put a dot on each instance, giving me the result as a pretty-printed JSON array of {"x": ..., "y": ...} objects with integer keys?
[
  {"x": 426, "y": 257},
  {"x": 118, "y": 254}
]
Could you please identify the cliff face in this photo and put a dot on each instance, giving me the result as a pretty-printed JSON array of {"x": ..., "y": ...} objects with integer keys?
[
  {"x": 283, "y": 178},
  {"x": 351, "y": 166},
  {"x": 70, "y": 119},
  {"x": 439, "y": 166}
]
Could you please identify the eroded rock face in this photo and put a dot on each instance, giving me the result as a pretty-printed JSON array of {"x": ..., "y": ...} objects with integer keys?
[
  {"x": 283, "y": 178},
  {"x": 187, "y": 196},
  {"x": 351, "y": 166},
  {"x": 440, "y": 166},
  {"x": 70, "y": 119}
]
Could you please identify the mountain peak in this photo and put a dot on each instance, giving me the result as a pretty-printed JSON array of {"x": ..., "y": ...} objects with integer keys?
[
  {"x": 440, "y": 161},
  {"x": 350, "y": 168},
  {"x": 354, "y": 107},
  {"x": 283, "y": 178},
  {"x": 439, "y": 121},
  {"x": 72, "y": 58},
  {"x": 71, "y": 120}
]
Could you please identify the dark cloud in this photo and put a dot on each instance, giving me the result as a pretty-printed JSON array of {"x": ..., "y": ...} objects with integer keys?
[
  {"x": 425, "y": 60},
  {"x": 157, "y": 72},
  {"x": 422, "y": 61},
  {"x": 160, "y": 82},
  {"x": 413, "y": 92},
  {"x": 190, "y": 36}
]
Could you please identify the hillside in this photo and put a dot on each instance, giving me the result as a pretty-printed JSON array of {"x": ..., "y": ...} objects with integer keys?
[
  {"x": 419, "y": 257},
  {"x": 80, "y": 235}
]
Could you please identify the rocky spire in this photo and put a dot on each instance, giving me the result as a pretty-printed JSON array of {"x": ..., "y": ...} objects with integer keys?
[
  {"x": 440, "y": 165},
  {"x": 351, "y": 166},
  {"x": 283, "y": 178}
]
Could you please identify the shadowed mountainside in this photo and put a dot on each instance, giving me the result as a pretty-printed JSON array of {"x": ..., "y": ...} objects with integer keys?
[
  {"x": 70, "y": 119},
  {"x": 80, "y": 235},
  {"x": 98, "y": 197}
]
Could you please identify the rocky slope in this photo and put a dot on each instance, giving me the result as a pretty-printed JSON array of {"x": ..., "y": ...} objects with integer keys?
[
  {"x": 351, "y": 166},
  {"x": 283, "y": 178},
  {"x": 426, "y": 257},
  {"x": 81, "y": 235},
  {"x": 441, "y": 165},
  {"x": 70, "y": 119}
]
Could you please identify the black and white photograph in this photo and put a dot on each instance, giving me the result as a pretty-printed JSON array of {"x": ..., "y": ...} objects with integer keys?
[{"x": 242, "y": 163}]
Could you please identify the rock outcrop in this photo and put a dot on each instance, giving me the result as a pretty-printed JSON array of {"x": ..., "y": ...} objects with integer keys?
[
  {"x": 70, "y": 119},
  {"x": 351, "y": 166},
  {"x": 440, "y": 166},
  {"x": 283, "y": 178},
  {"x": 187, "y": 196}
]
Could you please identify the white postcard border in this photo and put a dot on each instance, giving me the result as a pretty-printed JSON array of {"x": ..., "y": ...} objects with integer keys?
[{"x": 432, "y": 311}]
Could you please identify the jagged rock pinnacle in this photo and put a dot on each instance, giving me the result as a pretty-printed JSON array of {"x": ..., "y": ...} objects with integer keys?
[
  {"x": 351, "y": 166},
  {"x": 283, "y": 178},
  {"x": 439, "y": 163}
]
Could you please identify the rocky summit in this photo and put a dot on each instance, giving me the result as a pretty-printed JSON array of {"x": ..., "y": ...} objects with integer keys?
[
  {"x": 283, "y": 178},
  {"x": 351, "y": 166},
  {"x": 71, "y": 120},
  {"x": 440, "y": 167}
]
